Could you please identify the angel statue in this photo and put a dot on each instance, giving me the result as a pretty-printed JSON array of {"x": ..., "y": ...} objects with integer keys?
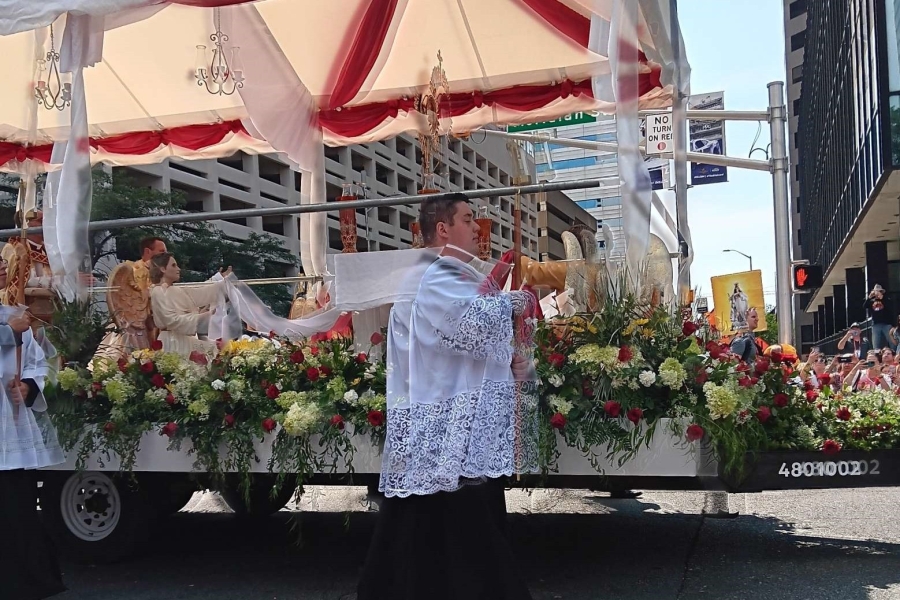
[{"x": 128, "y": 300}]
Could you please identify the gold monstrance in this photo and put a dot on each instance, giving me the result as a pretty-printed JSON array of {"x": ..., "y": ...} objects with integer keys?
[{"x": 429, "y": 104}]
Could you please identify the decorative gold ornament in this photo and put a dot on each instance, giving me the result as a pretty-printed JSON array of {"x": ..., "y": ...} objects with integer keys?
[{"x": 429, "y": 104}]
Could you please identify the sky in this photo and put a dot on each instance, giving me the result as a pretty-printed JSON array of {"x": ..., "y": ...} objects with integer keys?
[{"x": 736, "y": 47}]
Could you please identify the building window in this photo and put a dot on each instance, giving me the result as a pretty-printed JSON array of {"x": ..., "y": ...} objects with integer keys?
[
  {"x": 797, "y": 74},
  {"x": 796, "y": 106},
  {"x": 895, "y": 130},
  {"x": 797, "y": 8},
  {"x": 587, "y": 204},
  {"x": 798, "y": 40}
]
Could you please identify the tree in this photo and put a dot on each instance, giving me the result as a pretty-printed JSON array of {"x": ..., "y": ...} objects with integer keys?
[
  {"x": 770, "y": 335},
  {"x": 201, "y": 248}
]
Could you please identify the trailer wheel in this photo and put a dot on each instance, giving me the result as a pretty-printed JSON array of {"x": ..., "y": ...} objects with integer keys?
[
  {"x": 262, "y": 504},
  {"x": 95, "y": 519}
]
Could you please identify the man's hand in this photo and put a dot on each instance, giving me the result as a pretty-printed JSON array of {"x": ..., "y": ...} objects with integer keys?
[
  {"x": 22, "y": 388},
  {"x": 225, "y": 272},
  {"x": 522, "y": 368},
  {"x": 20, "y": 324}
]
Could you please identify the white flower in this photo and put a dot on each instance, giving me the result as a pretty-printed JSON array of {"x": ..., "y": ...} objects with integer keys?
[
  {"x": 368, "y": 376},
  {"x": 253, "y": 361},
  {"x": 279, "y": 386},
  {"x": 237, "y": 362},
  {"x": 556, "y": 380},
  {"x": 647, "y": 378},
  {"x": 560, "y": 405},
  {"x": 351, "y": 396},
  {"x": 218, "y": 385},
  {"x": 633, "y": 385}
]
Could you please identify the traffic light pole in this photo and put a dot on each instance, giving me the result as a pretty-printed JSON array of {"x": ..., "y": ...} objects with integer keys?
[{"x": 779, "y": 163}]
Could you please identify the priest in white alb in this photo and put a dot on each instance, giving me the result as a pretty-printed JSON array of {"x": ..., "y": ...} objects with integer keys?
[{"x": 461, "y": 413}]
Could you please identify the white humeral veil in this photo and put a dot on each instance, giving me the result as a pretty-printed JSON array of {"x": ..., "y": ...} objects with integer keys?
[
  {"x": 27, "y": 437},
  {"x": 455, "y": 413}
]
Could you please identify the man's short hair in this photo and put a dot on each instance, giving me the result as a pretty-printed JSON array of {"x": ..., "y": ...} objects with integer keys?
[
  {"x": 147, "y": 243},
  {"x": 439, "y": 210}
]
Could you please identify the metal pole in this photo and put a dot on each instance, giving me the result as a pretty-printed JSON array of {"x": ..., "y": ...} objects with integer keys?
[
  {"x": 328, "y": 206},
  {"x": 681, "y": 157},
  {"x": 717, "y": 115},
  {"x": 784, "y": 297}
]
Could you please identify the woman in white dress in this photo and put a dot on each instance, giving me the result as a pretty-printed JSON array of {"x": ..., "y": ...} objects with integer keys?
[
  {"x": 182, "y": 314},
  {"x": 28, "y": 566},
  {"x": 739, "y": 307}
]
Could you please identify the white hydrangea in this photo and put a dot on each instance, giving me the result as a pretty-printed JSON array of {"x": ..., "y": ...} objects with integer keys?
[
  {"x": 237, "y": 362},
  {"x": 218, "y": 385},
  {"x": 351, "y": 396},
  {"x": 647, "y": 378}
]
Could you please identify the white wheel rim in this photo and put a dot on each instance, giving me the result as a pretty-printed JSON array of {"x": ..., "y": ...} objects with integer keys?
[{"x": 90, "y": 506}]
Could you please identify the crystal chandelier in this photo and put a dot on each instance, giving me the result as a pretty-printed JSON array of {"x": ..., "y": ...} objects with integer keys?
[
  {"x": 49, "y": 89},
  {"x": 219, "y": 76}
]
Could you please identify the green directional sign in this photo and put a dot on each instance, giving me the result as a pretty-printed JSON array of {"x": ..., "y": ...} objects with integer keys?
[{"x": 578, "y": 118}]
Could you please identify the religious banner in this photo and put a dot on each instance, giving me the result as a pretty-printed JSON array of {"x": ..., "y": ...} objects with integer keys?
[
  {"x": 733, "y": 296},
  {"x": 707, "y": 137}
]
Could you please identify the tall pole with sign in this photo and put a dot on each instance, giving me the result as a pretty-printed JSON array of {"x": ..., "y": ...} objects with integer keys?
[{"x": 783, "y": 293}]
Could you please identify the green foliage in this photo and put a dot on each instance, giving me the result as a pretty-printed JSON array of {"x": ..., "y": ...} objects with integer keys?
[
  {"x": 770, "y": 335},
  {"x": 201, "y": 249},
  {"x": 77, "y": 330}
]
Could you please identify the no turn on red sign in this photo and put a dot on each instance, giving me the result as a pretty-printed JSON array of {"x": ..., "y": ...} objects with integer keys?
[{"x": 660, "y": 133}]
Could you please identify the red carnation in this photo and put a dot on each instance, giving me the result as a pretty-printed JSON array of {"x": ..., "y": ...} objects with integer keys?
[
  {"x": 147, "y": 367},
  {"x": 376, "y": 338},
  {"x": 198, "y": 358},
  {"x": 843, "y": 413},
  {"x": 297, "y": 357},
  {"x": 762, "y": 365},
  {"x": 361, "y": 357},
  {"x": 229, "y": 420},
  {"x": 831, "y": 447},
  {"x": 701, "y": 377},
  {"x": 375, "y": 418},
  {"x": 625, "y": 354},
  {"x": 170, "y": 400},
  {"x": 272, "y": 392},
  {"x": 694, "y": 433},
  {"x": 312, "y": 374},
  {"x": 156, "y": 345},
  {"x": 689, "y": 328},
  {"x": 558, "y": 421},
  {"x": 612, "y": 408},
  {"x": 337, "y": 421},
  {"x": 325, "y": 371},
  {"x": 123, "y": 365},
  {"x": 824, "y": 379},
  {"x": 714, "y": 349},
  {"x": 812, "y": 396},
  {"x": 158, "y": 380},
  {"x": 169, "y": 429},
  {"x": 556, "y": 360},
  {"x": 109, "y": 427},
  {"x": 314, "y": 350},
  {"x": 763, "y": 414},
  {"x": 745, "y": 382},
  {"x": 635, "y": 415},
  {"x": 781, "y": 400},
  {"x": 268, "y": 425}
]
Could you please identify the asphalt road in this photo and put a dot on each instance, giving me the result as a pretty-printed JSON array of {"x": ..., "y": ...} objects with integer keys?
[{"x": 573, "y": 544}]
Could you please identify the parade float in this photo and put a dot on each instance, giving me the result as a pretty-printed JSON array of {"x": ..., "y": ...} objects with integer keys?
[{"x": 634, "y": 393}]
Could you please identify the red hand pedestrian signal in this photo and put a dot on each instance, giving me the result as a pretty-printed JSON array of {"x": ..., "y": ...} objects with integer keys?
[{"x": 807, "y": 277}]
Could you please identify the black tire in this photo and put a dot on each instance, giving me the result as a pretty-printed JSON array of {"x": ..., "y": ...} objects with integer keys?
[
  {"x": 262, "y": 504},
  {"x": 95, "y": 518},
  {"x": 168, "y": 492}
]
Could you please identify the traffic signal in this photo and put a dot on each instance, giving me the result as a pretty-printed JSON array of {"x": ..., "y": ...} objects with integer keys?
[{"x": 807, "y": 277}]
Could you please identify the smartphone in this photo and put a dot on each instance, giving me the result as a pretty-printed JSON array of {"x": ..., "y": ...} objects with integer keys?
[
  {"x": 870, "y": 364},
  {"x": 845, "y": 359},
  {"x": 817, "y": 350}
]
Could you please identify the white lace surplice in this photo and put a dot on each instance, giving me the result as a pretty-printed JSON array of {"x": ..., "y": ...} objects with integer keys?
[
  {"x": 455, "y": 412},
  {"x": 27, "y": 437}
]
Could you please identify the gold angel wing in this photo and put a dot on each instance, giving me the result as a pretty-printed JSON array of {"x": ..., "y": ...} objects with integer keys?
[
  {"x": 129, "y": 305},
  {"x": 19, "y": 268}
]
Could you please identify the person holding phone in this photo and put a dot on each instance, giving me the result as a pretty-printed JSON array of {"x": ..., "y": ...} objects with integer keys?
[
  {"x": 882, "y": 315},
  {"x": 860, "y": 343}
]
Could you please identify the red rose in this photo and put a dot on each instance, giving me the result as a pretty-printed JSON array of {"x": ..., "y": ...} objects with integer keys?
[
  {"x": 361, "y": 358},
  {"x": 824, "y": 379},
  {"x": 156, "y": 345},
  {"x": 312, "y": 374},
  {"x": 198, "y": 358},
  {"x": 147, "y": 367},
  {"x": 229, "y": 420},
  {"x": 272, "y": 392},
  {"x": 694, "y": 433},
  {"x": 781, "y": 400},
  {"x": 170, "y": 400},
  {"x": 325, "y": 371},
  {"x": 714, "y": 349},
  {"x": 268, "y": 425},
  {"x": 169, "y": 429},
  {"x": 297, "y": 357},
  {"x": 776, "y": 357},
  {"x": 701, "y": 377},
  {"x": 762, "y": 365},
  {"x": 158, "y": 380},
  {"x": 314, "y": 350},
  {"x": 831, "y": 447},
  {"x": 742, "y": 368},
  {"x": 375, "y": 418},
  {"x": 689, "y": 328},
  {"x": 612, "y": 408},
  {"x": 812, "y": 396},
  {"x": 123, "y": 365},
  {"x": 745, "y": 382},
  {"x": 625, "y": 354},
  {"x": 763, "y": 414},
  {"x": 376, "y": 338},
  {"x": 586, "y": 389},
  {"x": 556, "y": 360},
  {"x": 109, "y": 427},
  {"x": 843, "y": 413},
  {"x": 558, "y": 421},
  {"x": 808, "y": 385},
  {"x": 337, "y": 421},
  {"x": 635, "y": 415}
]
